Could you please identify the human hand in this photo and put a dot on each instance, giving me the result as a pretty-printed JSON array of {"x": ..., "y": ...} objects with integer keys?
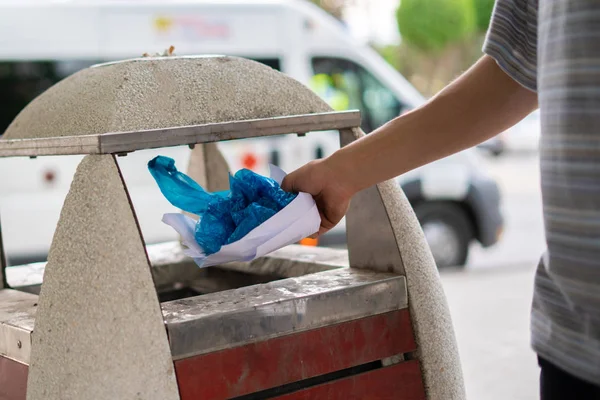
[{"x": 327, "y": 186}]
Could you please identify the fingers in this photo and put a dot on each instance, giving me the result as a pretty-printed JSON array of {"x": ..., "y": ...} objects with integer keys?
[
  {"x": 321, "y": 231},
  {"x": 304, "y": 179},
  {"x": 324, "y": 227},
  {"x": 288, "y": 183}
]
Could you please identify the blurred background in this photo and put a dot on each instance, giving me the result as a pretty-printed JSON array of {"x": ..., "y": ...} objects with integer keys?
[{"x": 480, "y": 209}]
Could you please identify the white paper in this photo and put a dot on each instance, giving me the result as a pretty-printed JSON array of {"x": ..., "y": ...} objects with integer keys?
[{"x": 297, "y": 220}]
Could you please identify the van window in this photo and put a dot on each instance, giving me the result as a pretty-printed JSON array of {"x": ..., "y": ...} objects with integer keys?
[
  {"x": 21, "y": 82},
  {"x": 346, "y": 85}
]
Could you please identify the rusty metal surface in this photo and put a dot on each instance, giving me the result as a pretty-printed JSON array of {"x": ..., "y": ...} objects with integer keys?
[
  {"x": 292, "y": 358},
  {"x": 17, "y": 314},
  {"x": 13, "y": 379},
  {"x": 222, "y": 320},
  {"x": 123, "y": 142},
  {"x": 401, "y": 381}
]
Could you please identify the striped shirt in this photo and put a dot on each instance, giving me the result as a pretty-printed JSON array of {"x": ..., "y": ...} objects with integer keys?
[{"x": 554, "y": 48}]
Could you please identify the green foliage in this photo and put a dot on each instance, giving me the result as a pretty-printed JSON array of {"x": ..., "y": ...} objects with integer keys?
[
  {"x": 333, "y": 7},
  {"x": 390, "y": 53},
  {"x": 483, "y": 13},
  {"x": 431, "y": 25}
]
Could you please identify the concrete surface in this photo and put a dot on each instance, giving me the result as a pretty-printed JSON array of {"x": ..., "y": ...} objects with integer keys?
[
  {"x": 523, "y": 239},
  {"x": 151, "y": 93},
  {"x": 490, "y": 311}
]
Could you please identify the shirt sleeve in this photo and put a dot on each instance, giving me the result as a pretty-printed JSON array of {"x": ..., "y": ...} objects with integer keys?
[{"x": 512, "y": 40}]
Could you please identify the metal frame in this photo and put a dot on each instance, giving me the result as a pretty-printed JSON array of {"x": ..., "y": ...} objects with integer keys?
[
  {"x": 205, "y": 324},
  {"x": 17, "y": 316},
  {"x": 125, "y": 142},
  {"x": 169, "y": 265},
  {"x": 229, "y": 319}
]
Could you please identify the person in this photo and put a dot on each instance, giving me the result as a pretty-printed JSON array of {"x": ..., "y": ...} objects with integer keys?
[{"x": 546, "y": 53}]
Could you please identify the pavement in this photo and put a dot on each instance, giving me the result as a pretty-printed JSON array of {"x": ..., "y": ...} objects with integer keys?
[
  {"x": 490, "y": 311},
  {"x": 523, "y": 239},
  {"x": 490, "y": 299}
]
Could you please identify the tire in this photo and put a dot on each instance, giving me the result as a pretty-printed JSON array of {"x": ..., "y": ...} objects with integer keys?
[
  {"x": 448, "y": 231},
  {"x": 497, "y": 152}
]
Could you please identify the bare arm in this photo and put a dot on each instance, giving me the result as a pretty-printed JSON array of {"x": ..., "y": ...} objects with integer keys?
[{"x": 481, "y": 103}]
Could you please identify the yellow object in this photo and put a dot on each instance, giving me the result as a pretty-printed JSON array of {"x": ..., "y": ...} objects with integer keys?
[
  {"x": 163, "y": 24},
  {"x": 309, "y": 242},
  {"x": 323, "y": 85}
]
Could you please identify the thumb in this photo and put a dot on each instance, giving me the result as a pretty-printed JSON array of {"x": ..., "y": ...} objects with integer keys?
[{"x": 288, "y": 183}]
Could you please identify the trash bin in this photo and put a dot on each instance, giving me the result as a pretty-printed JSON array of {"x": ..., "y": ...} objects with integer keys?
[{"x": 301, "y": 323}]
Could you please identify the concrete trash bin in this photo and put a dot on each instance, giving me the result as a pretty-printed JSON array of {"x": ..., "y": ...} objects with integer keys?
[{"x": 301, "y": 323}]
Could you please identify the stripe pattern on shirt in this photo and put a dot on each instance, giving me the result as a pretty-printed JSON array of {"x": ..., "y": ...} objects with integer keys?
[{"x": 565, "y": 70}]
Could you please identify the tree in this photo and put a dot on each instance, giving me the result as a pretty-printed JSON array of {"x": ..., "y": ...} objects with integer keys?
[
  {"x": 440, "y": 39},
  {"x": 483, "y": 13},
  {"x": 431, "y": 25}
]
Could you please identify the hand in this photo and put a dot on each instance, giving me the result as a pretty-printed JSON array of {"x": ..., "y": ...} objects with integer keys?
[{"x": 328, "y": 188}]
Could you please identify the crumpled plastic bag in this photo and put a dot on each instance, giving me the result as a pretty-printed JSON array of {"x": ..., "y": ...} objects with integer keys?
[{"x": 250, "y": 220}]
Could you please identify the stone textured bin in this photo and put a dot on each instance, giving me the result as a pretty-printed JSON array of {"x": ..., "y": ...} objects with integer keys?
[{"x": 97, "y": 329}]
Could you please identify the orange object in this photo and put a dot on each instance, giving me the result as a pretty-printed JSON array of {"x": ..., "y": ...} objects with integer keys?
[
  {"x": 309, "y": 242},
  {"x": 249, "y": 161}
]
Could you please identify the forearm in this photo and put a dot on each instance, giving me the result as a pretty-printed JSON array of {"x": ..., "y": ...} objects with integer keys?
[{"x": 481, "y": 103}]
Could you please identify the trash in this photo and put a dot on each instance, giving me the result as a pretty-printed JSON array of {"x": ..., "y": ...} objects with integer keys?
[{"x": 251, "y": 219}]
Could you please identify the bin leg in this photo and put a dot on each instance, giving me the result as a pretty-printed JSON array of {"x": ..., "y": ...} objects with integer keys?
[
  {"x": 99, "y": 331},
  {"x": 209, "y": 168},
  {"x": 370, "y": 236}
]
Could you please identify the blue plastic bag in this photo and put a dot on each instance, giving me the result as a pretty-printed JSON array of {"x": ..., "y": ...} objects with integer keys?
[{"x": 225, "y": 217}]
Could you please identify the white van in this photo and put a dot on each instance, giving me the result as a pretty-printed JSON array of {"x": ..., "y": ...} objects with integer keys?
[{"x": 42, "y": 41}]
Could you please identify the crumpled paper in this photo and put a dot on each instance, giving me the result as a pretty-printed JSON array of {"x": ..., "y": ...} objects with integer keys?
[{"x": 296, "y": 221}]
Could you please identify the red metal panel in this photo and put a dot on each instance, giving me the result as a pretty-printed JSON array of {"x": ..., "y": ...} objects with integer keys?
[
  {"x": 286, "y": 359},
  {"x": 398, "y": 382},
  {"x": 13, "y": 379}
]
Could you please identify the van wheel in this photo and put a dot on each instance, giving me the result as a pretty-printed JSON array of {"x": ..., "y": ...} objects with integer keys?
[
  {"x": 497, "y": 151},
  {"x": 448, "y": 232}
]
